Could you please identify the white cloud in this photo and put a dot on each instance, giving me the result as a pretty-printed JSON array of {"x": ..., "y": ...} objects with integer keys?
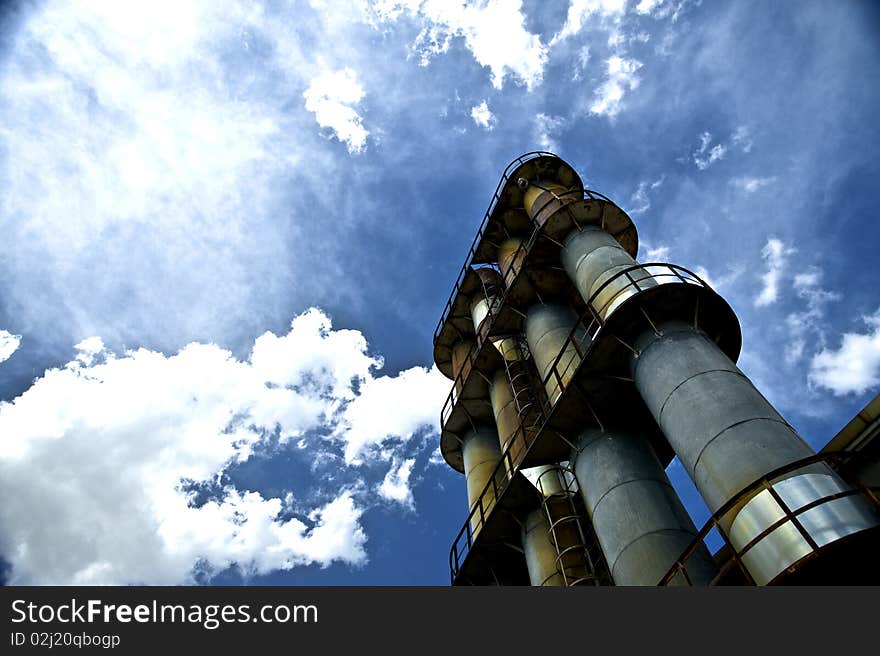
[
  {"x": 717, "y": 152},
  {"x": 583, "y": 59},
  {"x": 751, "y": 184},
  {"x": 101, "y": 456},
  {"x": 854, "y": 367},
  {"x": 648, "y": 6},
  {"x": 742, "y": 137},
  {"x": 333, "y": 97},
  {"x": 9, "y": 344},
  {"x": 483, "y": 116},
  {"x": 640, "y": 199},
  {"x": 88, "y": 349},
  {"x": 722, "y": 282},
  {"x": 395, "y": 486},
  {"x": 661, "y": 9},
  {"x": 144, "y": 173},
  {"x": 658, "y": 254},
  {"x": 775, "y": 255},
  {"x": 580, "y": 12},
  {"x": 493, "y": 30},
  {"x": 545, "y": 127},
  {"x": 704, "y": 157},
  {"x": 437, "y": 457},
  {"x": 705, "y": 140},
  {"x": 809, "y": 321},
  {"x": 392, "y": 408},
  {"x": 620, "y": 77}
]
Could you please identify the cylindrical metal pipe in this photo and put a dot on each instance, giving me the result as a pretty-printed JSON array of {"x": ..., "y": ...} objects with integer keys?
[
  {"x": 460, "y": 352},
  {"x": 539, "y": 550},
  {"x": 484, "y": 302},
  {"x": 504, "y": 408},
  {"x": 591, "y": 257},
  {"x": 481, "y": 453},
  {"x": 542, "y": 199},
  {"x": 508, "y": 347},
  {"x": 512, "y": 397},
  {"x": 548, "y": 328},
  {"x": 552, "y": 537},
  {"x": 510, "y": 258},
  {"x": 548, "y": 479},
  {"x": 727, "y": 436},
  {"x": 640, "y": 522}
]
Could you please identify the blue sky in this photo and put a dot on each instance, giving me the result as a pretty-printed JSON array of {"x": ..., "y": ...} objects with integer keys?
[{"x": 228, "y": 231}]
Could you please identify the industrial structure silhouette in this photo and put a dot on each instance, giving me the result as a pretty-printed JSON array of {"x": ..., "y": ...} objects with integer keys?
[{"x": 579, "y": 373}]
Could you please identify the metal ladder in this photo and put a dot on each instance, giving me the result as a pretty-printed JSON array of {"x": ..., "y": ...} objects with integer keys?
[
  {"x": 521, "y": 378},
  {"x": 579, "y": 560}
]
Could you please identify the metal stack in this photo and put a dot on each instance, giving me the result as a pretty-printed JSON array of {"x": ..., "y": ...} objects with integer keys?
[{"x": 579, "y": 373}]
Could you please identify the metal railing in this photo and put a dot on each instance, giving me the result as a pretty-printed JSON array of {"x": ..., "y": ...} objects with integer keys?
[
  {"x": 501, "y": 477},
  {"x": 505, "y": 176},
  {"x": 576, "y": 346},
  {"x": 837, "y": 461},
  {"x": 588, "y": 325},
  {"x": 509, "y": 275}
]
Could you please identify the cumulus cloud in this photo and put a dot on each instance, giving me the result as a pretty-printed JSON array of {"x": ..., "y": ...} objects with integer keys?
[
  {"x": 661, "y": 9},
  {"x": 775, "y": 254},
  {"x": 580, "y": 13},
  {"x": 88, "y": 349},
  {"x": 333, "y": 97},
  {"x": 395, "y": 486},
  {"x": 620, "y": 77},
  {"x": 648, "y": 6},
  {"x": 109, "y": 454},
  {"x": 392, "y": 408},
  {"x": 854, "y": 366},
  {"x": 9, "y": 344},
  {"x": 494, "y": 31},
  {"x": 483, "y": 116}
]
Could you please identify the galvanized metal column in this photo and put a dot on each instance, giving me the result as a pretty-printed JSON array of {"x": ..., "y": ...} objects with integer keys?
[
  {"x": 540, "y": 552},
  {"x": 485, "y": 303},
  {"x": 510, "y": 258},
  {"x": 591, "y": 257},
  {"x": 504, "y": 408},
  {"x": 639, "y": 520},
  {"x": 481, "y": 453},
  {"x": 547, "y": 330},
  {"x": 481, "y": 450},
  {"x": 727, "y": 436},
  {"x": 460, "y": 352}
]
